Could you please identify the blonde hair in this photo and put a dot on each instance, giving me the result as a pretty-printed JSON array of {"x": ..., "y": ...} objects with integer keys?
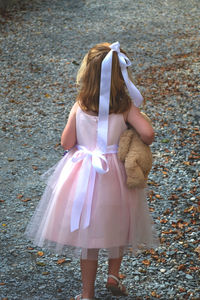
[{"x": 88, "y": 80}]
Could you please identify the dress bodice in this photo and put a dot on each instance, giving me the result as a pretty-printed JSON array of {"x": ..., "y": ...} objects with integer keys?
[{"x": 86, "y": 128}]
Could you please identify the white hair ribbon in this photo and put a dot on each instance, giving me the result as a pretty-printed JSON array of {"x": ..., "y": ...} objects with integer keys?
[{"x": 105, "y": 85}]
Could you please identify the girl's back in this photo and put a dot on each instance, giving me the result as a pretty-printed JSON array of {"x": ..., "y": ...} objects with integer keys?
[{"x": 86, "y": 128}]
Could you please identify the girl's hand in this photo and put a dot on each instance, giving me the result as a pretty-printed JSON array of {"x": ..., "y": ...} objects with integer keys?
[
  {"x": 68, "y": 138},
  {"x": 141, "y": 125}
]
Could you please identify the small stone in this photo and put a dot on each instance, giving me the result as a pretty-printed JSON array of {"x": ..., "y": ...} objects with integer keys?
[
  {"x": 188, "y": 276},
  {"x": 20, "y": 210},
  {"x": 137, "y": 278},
  {"x": 61, "y": 280},
  {"x": 162, "y": 270},
  {"x": 41, "y": 287},
  {"x": 10, "y": 159}
]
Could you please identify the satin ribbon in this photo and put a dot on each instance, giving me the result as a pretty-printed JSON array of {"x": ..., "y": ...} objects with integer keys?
[
  {"x": 93, "y": 162},
  {"x": 105, "y": 85}
]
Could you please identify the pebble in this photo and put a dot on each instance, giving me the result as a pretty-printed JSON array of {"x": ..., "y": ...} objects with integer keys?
[
  {"x": 188, "y": 276},
  {"x": 41, "y": 287},
  {"x": 21, "y": 210},
  {"x": 61, "y": 280},
  {"x": 162, "y": 270},
  {"x": 136, "y": 278}
]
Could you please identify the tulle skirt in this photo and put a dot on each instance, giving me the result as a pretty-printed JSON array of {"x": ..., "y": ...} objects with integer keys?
[{"x": 119, "y": 219}]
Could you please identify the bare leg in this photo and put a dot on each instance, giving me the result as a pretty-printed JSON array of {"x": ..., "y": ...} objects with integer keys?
[
  {"x": 88, "y": 272},
  {"x": 113, "y": 267}
]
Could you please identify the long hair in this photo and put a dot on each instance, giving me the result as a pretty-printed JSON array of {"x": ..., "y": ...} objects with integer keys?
[{"x": 88, "y": 80}]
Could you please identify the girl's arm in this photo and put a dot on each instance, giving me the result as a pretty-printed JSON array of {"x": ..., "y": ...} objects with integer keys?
[
  {"x": 68, "y": 138},
  {"x": 142, "y": 126}
]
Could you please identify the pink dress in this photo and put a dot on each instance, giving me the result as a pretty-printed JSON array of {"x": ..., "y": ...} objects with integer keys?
[{"x": 119, "y": 216}]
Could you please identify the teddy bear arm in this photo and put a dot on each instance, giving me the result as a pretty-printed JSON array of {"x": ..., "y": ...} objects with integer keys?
[
  {"x": 135, "y": 175},
  {"x": 124, "y": 144}
]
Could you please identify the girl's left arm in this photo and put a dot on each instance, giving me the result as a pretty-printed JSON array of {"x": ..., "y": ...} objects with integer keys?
[{"x": 68, "y": 138}]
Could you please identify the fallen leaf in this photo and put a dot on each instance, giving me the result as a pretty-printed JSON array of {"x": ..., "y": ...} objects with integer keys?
[
  {"x": 151, "y": 209},
  {"x": 194, "y": 268},
  {"x": 45, "y": 273},
  {"x": 34, "y": 167},
  {"x": 154, "y": 294},
  {"x": 189, "y": 209},
  {"x": 61, "y": 261},
  {"x": 197, "y": 249},
  {"x": 156, "y": 257},
  {"x": 173, "y": 197},
  {"x": 146, "y": 262},
  {"x": 163, "y": 221},
  {"x": 26, "y": 200},
  {"x": 167, "y": 211},
  {"x": 181, "y": 267},
  {"x": 170, "y": 231},
  {"x": 10, "y": 159},
  {"x": 56, "y": 145},
  {"x": 182, "y": 290},
  {"x": 40, "y": 263},
  {"x": 40, "y": 253}
]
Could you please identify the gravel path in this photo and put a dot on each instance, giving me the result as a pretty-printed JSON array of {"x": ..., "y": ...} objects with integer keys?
[{"x": 41, "y": 46}]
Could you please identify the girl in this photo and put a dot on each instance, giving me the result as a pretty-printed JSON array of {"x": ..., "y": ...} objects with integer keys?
[{"x": 86, "y": 205}]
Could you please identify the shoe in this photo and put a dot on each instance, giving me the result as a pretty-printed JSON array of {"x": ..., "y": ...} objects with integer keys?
[
  {"x": 79, "y": 297},
  {"x": 117, "y": 289}
]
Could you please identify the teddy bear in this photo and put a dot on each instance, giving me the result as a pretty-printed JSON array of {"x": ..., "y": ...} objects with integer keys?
[{"x": 136, "y": 156}]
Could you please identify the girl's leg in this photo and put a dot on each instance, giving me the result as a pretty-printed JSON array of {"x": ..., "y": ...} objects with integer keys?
[
  {"x": 114, "y": 267},
  {"x": 113, "y": 283},
  {"x": 88, "y": 273},
  {"x": 115, "y": 263}
]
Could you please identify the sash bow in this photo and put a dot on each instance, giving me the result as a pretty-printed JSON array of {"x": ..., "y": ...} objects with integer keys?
[{"x": 92, "y": 162}]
